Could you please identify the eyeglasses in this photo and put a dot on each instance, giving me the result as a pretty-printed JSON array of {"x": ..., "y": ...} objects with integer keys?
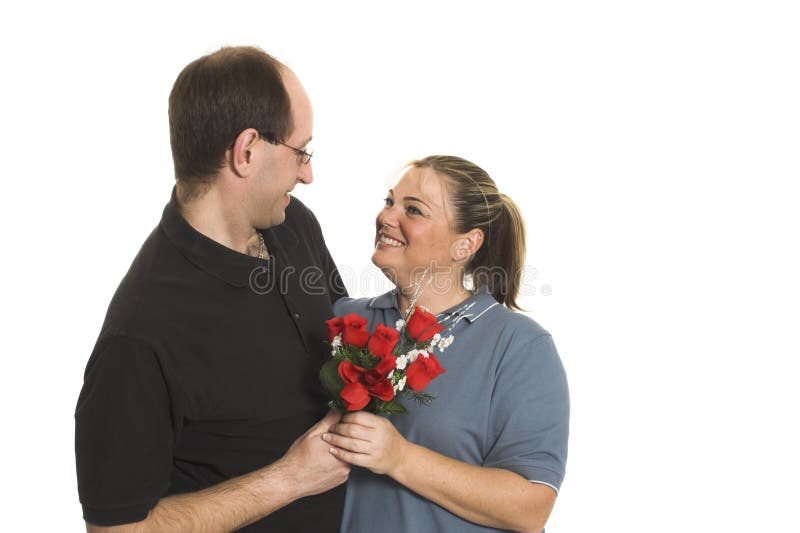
[{"x": 304, "y": 155}]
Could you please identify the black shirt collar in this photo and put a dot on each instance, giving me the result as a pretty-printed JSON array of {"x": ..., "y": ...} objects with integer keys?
[{"x": 220, "y": 261}]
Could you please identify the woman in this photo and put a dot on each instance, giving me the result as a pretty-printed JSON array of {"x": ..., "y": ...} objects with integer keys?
[{"x": 489, "y": 453}]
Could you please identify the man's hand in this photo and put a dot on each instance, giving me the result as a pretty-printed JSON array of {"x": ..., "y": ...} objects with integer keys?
[
  {"x": 316, "y": 468},
  {"x": 306, "y": 469}
]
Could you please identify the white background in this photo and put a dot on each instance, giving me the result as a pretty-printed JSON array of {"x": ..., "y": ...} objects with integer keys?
[{"x": 653, "y": 147}]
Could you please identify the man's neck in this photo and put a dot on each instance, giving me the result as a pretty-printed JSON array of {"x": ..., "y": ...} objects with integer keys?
[{"x": 221, "y": 221}]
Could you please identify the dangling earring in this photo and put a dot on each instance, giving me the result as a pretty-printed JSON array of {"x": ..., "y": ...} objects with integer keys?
[{"x": 468, "y": 282}]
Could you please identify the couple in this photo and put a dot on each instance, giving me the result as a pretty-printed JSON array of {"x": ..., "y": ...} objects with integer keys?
[{"x": 200, "y": 409}]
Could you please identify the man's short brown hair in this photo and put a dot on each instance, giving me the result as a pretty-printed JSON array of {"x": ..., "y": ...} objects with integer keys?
[{"x": 214, "y": 99}]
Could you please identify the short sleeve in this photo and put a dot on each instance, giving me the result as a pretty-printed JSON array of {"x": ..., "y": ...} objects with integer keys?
[
  {"x": 123, "y": 433},
  {"x": 529, "y": 416}
]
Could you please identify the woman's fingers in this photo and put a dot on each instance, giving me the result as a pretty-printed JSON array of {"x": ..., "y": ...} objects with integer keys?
[
  {"x": 362, "y": 418},
  {"x": 355, "y": 431},
  {"x": 355, "y": 459},
  {"x": 359, "y": 445},
  {"x": 349, "y": 450},
  {"x": 347, "y": 443}
]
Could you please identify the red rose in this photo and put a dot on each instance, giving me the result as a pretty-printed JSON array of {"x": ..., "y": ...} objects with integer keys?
[
  {"x": 422, "y": 371},
  {"x": 350, "y": 373},
  {"x": 335, "y": 326},
  {"x": 422, "y": 325},
  {"x": 355, "y": 330},
  {"x": 386, "y": 365},
  {"x": 383, "y": 341},
  {"x": 382, "y": 390},
  {"x": 354, "y": 396},
  {"x": 360, "y": 382}
]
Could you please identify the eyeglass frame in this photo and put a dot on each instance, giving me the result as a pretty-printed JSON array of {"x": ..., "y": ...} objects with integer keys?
[{"x": 270, "y": 138}]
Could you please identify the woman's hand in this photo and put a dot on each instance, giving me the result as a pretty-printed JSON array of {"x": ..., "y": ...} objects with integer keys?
[
  {"x": 367, "y": 440},
  {"x": 492, "y": 497}
]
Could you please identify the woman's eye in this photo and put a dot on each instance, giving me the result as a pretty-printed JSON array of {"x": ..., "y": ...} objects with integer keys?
[
  {"x": 411, "y": 210},
  {"x": 388, "y": 202}
]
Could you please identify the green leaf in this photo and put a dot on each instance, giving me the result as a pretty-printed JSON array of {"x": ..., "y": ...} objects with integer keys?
[
  {"x": 422, "y": 398},
  {"x": 336, "y": 405},
  {"x": 390, "y": 407},
  {"x": 329, "y": 377}
]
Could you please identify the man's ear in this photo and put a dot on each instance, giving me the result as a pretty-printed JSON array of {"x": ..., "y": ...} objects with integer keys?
[
  {"x": 240, "y": 154},
  {"x": 466, "y": 245}
]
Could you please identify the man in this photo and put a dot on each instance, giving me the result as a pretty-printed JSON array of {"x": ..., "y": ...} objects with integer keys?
[{"x": 203, "y": 380}]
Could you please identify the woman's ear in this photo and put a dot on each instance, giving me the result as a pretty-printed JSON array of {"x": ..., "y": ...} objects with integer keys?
[{"x": 466, "y": 245}]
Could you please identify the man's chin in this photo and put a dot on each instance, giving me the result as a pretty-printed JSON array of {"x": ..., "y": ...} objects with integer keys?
[{"x": 277, "y": 219}]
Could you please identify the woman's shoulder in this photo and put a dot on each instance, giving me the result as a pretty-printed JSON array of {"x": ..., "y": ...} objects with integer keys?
[
  {"x": 361, "y": 306},
  {"x": 347, "y": 305},
  {"x": 513, "y": 326},
  {"x": 518, "y": 339},
  {"x": 524, "y": 346}
]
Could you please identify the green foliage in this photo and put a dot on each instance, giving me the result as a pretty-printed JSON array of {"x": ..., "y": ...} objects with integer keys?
[
  {"x": 336, "y": 405},
  {"x": 391, "y": 407},
  {"x": 329, "y": 377},
  {"x": 364, "y": 359},
  {"x": 422, "y": 398}
]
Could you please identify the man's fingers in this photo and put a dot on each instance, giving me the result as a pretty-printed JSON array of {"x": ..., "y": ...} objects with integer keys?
[{"x": 331, "y": 418}]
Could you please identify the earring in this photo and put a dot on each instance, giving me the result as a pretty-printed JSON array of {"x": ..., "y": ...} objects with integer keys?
[{"x": 468, "y": 282}]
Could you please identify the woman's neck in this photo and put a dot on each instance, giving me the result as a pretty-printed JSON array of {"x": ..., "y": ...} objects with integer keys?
[{"x": 433, "y": 300}]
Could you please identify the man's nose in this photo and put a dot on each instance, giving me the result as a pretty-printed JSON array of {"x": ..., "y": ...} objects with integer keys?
[{"x": 305, "y": 173}]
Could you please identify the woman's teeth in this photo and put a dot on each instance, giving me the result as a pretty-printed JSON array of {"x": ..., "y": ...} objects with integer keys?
[{"x": 391, "y": 242}]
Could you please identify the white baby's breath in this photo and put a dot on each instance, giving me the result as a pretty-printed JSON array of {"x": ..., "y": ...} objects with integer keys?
[
  {"x": 434, "y": 341},
  {"x": 400, "y": 385},
  {"x": 444, "y": 343},
  {"x": 401, "y": 362},
  {"x": 413, "y": 354},
  {"x": 337, "y": 341},
  {"x": 399, "y": 324}
]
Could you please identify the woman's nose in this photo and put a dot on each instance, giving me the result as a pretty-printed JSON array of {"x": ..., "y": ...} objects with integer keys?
[{"x": 387, "y": 217}]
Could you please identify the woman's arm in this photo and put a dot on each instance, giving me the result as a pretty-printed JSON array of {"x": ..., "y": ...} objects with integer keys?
[{"x": 491, "y": 497}]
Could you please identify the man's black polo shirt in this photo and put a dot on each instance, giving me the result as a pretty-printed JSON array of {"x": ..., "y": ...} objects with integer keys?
[{"x": 206, "y": 369}]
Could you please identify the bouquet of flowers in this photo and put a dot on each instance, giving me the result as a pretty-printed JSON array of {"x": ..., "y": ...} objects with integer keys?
[{"x": 369, "y": 371}]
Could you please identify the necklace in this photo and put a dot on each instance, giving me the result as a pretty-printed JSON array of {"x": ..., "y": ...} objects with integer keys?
[{"x": 262, "y": 246}]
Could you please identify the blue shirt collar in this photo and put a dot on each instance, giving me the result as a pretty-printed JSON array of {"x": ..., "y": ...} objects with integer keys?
[{"x": 470, "y": 310}]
